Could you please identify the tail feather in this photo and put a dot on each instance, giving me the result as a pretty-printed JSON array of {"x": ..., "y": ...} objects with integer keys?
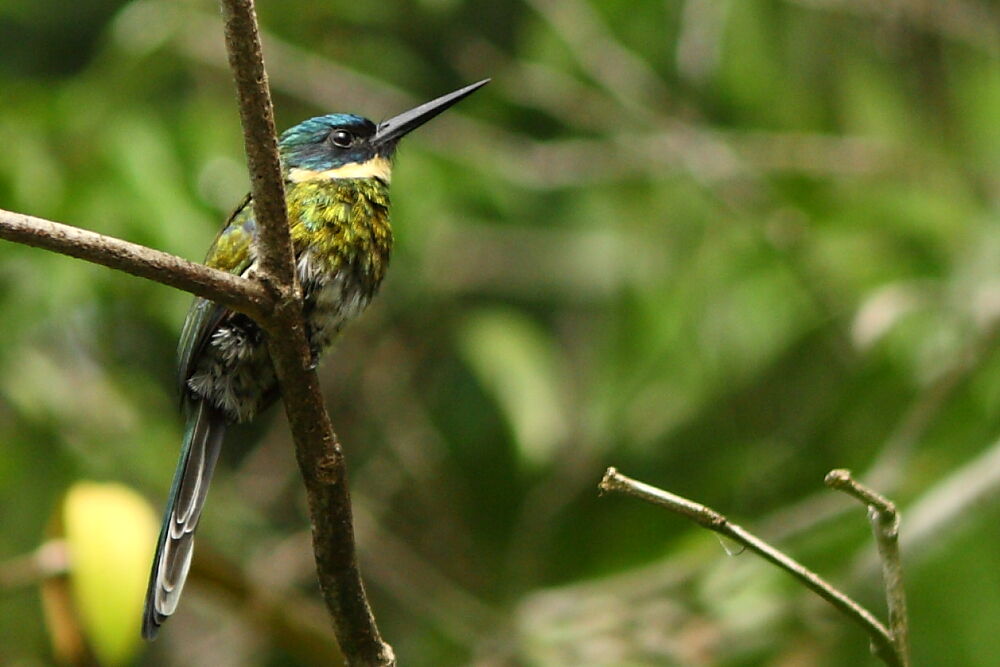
[{"x": 202, "y": 442}]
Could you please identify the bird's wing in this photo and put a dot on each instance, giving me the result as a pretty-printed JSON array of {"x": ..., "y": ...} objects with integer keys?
[{"x": 233, "y": 252}]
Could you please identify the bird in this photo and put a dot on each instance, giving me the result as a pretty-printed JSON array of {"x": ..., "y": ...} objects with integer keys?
[{"x": 336, "y": 171}]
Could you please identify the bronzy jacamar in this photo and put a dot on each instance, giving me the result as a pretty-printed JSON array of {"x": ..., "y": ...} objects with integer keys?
[{"x": 336, "y": 170}]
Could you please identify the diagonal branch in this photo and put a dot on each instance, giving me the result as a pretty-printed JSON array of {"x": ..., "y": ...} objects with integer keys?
[
  {"x": 319, "y": 455},
  {"x": 882, "y": 641},
  {"x": 239, "y": 294}
]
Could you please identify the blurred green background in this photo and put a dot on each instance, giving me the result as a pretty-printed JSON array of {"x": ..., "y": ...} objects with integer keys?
[{"x": 723, "y": 246}]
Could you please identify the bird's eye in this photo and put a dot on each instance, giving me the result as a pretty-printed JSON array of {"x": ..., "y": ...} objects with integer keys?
[{"x": 342, "y": 139}]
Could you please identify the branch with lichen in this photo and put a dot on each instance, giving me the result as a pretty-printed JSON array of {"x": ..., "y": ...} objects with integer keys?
[{"x": 887, "y": 645}]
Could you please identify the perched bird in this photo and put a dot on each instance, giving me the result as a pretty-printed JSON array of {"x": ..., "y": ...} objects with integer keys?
[{"x": 336, "y": 170}]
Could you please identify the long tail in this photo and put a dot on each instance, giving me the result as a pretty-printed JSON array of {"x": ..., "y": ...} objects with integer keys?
[{"x": 202, "y": 441}]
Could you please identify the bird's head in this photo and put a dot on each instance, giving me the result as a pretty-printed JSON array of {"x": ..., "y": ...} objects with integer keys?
[{"x": 347, "y": 146}]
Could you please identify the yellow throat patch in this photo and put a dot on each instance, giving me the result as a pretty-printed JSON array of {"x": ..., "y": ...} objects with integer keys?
[{"x": 378, "y": 167}]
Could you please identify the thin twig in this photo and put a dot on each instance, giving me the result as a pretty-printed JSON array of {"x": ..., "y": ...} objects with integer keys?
[
  {"x": 882, "y": 642},
  {"x": 885, "y": 525},
  {"x": 320, "y": 457},
  {"x": 841, "y": 480},
  {"x": 239, "y": 294}
]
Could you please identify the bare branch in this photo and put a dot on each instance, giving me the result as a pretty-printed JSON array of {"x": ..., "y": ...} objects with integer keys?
[
  {"x": 320, "y": 457},
  {"x": 841, "y": 480},
  {"x": 240, "y": 294},
  {"x": 257, "y": 117},
  {"x": 882, "y": 642},
  {"x": 885, "y": 525}
]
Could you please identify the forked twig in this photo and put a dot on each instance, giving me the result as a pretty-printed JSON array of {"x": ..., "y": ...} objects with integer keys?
[{"x": 883, "y": 644}]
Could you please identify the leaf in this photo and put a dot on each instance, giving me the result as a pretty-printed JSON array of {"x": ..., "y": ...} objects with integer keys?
[
  {"x": 110, "y": 533},
  {"x": 517, "y": 363}
]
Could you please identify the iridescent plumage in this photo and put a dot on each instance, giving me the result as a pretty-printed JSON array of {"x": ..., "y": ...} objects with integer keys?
[
  {"x": 342, "y": 241},
  {"x": 336, "y": 170}
]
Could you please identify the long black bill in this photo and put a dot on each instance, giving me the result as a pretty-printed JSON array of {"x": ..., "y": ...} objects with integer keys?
[{"x": 393, "y": 129}]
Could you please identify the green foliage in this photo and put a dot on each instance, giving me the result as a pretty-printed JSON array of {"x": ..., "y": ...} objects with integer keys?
[{"x": 724, "y": 247}]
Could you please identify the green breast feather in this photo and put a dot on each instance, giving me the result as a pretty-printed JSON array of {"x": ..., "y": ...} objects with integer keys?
[{"x": 342, "y": 223}]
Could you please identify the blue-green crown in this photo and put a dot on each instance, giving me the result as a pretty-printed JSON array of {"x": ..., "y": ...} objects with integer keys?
[{"x": 310, "y": 144}]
